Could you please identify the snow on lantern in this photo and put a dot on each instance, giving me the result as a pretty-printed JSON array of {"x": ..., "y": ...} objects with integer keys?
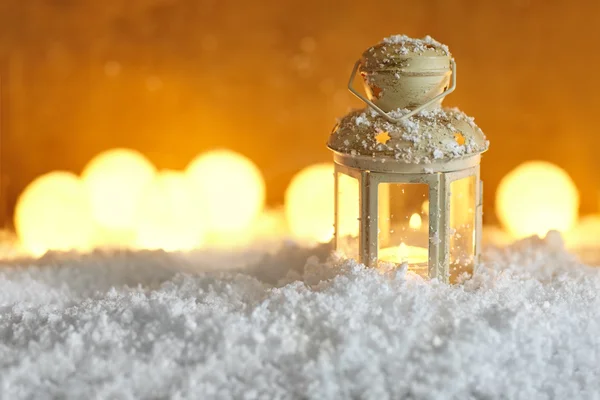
[{"x": 416, "y": 164}]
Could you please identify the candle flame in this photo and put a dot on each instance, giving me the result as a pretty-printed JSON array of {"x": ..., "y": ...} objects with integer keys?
[
  {"x": 402, "y": 252},
  {"x": 415, "y": 221}
]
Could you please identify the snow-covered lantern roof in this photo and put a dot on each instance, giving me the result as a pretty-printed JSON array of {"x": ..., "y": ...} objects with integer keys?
[{"x": 408, "y": 189}]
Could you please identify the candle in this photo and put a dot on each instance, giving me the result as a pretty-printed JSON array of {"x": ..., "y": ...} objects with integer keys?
[{"x": 404, "y": 254}]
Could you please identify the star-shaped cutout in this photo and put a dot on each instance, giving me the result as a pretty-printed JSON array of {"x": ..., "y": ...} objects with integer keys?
[
  {"x": 376, "y": 91},
  {"x": 460, "y": 138},
  {"x": 382, "y": 137}
]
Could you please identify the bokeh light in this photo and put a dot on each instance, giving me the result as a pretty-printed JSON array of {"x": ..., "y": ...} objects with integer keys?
[
  {"x": 228, "y": 188},
  {"x": 309, "y": 204},
  {"x": 115, "y": 179},
  {"x": 536, "y": 197},
  {"x": 166, "y": 216},
  {"x": 425, "y": 207},
  {"x": 54, "y": 213},
  {"x": 271, "y": 225},
  {"x": 585, "y": 233},
  {"x": 415, "y": 221}
]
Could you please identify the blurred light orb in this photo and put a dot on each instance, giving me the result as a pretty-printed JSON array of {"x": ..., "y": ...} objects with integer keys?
[
  {"x": 425, "y": 207},
  {"x": 585, "y": 233},
  {"x": 167, "y": 217},
  {"x": 415, "y": 221},
  {"x": 309, "y": 204},
  {"x": 54, "y": 213},
  {"x": 537, "y": 197},
  {"x": 271, "y": 225},
  {"x": 229, "y": 189},
  {"x": 115, "y": 180}
]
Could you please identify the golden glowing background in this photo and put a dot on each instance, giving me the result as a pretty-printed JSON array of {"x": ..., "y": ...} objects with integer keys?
[{"x": 266, "y": 78}]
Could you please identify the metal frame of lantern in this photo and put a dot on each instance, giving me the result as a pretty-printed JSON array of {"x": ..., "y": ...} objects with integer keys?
[{"x": 370, "y": 171}]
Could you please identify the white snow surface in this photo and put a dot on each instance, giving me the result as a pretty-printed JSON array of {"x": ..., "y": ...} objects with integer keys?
[{"x": 297, "y": 324}]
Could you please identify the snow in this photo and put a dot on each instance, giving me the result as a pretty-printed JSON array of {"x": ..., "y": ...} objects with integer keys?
[
  {"x": 407, "y": 44},
  {"x": 428, "y": 136},
  {"x": 297, "y": 323}
]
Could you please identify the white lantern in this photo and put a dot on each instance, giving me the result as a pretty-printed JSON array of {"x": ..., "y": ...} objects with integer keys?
[{"x": 416, "y": 163}]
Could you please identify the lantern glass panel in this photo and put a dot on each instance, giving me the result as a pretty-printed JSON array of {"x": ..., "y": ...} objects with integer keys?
[
  {"x": 403, "y": 225},
  {"x": 348, "y": 214},
  {"x": 462, "y": 225}
]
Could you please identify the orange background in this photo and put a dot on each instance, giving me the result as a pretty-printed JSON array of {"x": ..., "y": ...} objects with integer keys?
[{"x": 267, "y": 78}]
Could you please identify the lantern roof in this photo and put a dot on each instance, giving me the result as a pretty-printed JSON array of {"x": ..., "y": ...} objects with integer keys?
[
  {"x": 430, "y": 136},
  {"x": 402, "y": 51}
]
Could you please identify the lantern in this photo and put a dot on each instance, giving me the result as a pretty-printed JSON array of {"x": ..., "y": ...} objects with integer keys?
[{"x": 416, "y": 164}]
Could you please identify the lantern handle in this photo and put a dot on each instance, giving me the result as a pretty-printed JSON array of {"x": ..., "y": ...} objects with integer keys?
[{"x": 412, "y": 112}]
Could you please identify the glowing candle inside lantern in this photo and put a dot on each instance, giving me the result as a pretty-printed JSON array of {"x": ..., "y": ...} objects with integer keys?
[{"x": 404, "y": 254}]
